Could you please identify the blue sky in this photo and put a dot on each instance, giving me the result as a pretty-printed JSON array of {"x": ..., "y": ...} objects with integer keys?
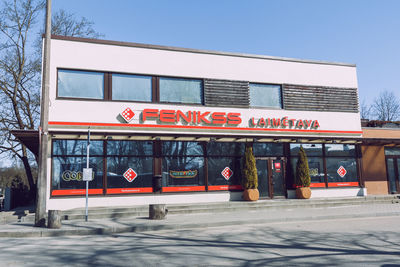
[{"x": 364, "y": 32}]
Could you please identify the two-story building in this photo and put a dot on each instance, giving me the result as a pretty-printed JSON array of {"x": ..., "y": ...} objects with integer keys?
[{"x": 187, "y": 114}]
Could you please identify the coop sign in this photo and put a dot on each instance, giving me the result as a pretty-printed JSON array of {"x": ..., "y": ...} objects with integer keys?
[{"x": 213, "y": 118}]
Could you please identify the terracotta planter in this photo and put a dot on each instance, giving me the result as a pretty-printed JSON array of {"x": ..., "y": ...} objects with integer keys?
[
  {"x": 251, "y": 194},
  {"x": 303, "y": 192}
]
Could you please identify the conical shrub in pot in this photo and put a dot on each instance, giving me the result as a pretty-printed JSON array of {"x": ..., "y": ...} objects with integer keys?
[
  {"x": 250, "y": 177},
  {"x": 302, "y": 179}
]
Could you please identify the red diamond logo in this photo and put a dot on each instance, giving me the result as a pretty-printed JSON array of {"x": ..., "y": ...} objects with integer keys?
[
  {"x": 127, "y": 114},
  {"x": 341, "y": 171},
  {"x": 130, "y": 175},
  {"x": 227, "y": 173}
]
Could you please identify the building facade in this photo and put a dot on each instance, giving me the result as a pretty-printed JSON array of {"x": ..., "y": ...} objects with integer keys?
[
  {"x": 381, "y": 157},
  {"x": 186, "y": 115}
]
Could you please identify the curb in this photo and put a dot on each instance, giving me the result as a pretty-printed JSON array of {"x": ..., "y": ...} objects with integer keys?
[{"x": 177, "y": 226}]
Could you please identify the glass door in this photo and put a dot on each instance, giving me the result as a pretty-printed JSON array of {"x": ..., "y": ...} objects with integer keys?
[
  {"x": 278, "y": 178},
  {"x": 263, "y": 177},
  {"x": 271, "y": 177},
  {"x": 393, "y": 167}
]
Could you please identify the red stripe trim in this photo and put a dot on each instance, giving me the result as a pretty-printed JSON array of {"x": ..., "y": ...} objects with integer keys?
[
  {"x": 224, "y": 187},
  {"x": 317, "y": 185},
  {"x": 183, "y": 188},
  {"x": 74, "y": 192},
  {"x": 343, "y": 184},
  {"x": 195, "y": 127},
  {"x": 129, "y": 190}
]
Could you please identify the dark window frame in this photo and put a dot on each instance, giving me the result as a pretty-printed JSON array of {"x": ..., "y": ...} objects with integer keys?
[
  {"x": 324, "y": 161},
  {"x": 155, "y": 88},
  {"x": 104, "y": 158}
]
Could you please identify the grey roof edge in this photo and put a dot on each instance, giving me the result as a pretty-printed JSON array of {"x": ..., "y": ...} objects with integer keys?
[{"x": 199, "y": 51}]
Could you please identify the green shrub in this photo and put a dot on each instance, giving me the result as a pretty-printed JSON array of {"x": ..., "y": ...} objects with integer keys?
[
  {"x": 303, "y": 178},
  {"x": 250, "y": 178}
]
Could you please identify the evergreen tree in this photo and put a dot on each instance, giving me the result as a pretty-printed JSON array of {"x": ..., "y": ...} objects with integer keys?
[
  {"x": 303, "y": 178},
  {"x": 250, "y": 178}
]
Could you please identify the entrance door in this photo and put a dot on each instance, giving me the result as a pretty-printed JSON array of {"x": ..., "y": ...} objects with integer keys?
[
  {"x": 271, "y": 177},
  {"x": 393, "y": 173}
]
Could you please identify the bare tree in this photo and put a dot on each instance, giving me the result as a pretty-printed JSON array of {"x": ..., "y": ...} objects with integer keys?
[
  {"x": 386, "y": 107},
  {"x": 20, "y": 72},
  {"x": 365, "y": 110},
  {"x": 19, "y": 79},
  {"x": 64, "y": 23}
]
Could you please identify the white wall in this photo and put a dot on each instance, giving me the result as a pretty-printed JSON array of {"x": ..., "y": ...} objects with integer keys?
[
  {"x": 102, "y": 57},
  {"x": 90, "y": 56}
]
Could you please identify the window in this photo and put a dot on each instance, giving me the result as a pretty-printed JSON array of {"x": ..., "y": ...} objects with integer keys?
[
  {"x": 341, "y": 170},
  {"x": 316, "y": 167},
  {"x": 80, "y": 84},
  {"x": 265, "y": 95},
  {"x": 181, "y": 90},
  {"x": 341, "y": 165},
  {"x": 315, "y": 162},
  {"x": 392, "y": 151},
  {"x": 128, "y": 87},
  {"x": 267, "y": 149},
  {"x": 69, "y": 159},
  {"x": 339, "y": 161},
  {"x": 131, "y": 87},
  {"x": 224, "y": 165},
  {"x": 183, "y": 166},
  {"x": 129, "y": 167},
  {"x": 132, "y": 158}
]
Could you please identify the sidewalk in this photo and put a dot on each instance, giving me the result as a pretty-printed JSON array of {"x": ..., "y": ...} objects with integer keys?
[{"x": 191, "y": 221}]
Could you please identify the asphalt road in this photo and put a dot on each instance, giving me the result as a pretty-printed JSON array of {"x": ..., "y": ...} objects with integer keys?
[{"x": 344, "y": 242}]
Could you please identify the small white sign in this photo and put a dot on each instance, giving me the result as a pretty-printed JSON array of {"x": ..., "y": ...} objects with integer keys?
[{"x": 87, "y": 174}]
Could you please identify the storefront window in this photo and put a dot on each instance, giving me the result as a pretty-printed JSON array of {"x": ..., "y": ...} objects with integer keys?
[
  {"x": 181, "y": 90},
  {"x": 267, "y": 149},
  {"x": 341, "y": 171},
  {"x": 131, "y": 87},
  {"x": 340, "y": 160},
  {"x": 69, "y": 159},
  {"x": 316, "y": 167},
  {"x": 224, "y": 165},
  {"x": 80, "y": 84},
  {"x": 340, "y": 150},
  {"x": 77, "y": 147},
  {"x": 392, "y": 151},
  {"x": 183, "y": 166},
  {"x": 310, "y": 149},
  {"x": 265, "y": 95},
  {"x": 129, "y": 167}
]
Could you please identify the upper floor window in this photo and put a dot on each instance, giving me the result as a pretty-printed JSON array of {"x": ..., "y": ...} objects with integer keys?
[
  {"x": 80, "y": 84},
  {"x": 131, "y": 87},
  {"x": 265, "y": 95},
  {"x": 176, "y": 90}
]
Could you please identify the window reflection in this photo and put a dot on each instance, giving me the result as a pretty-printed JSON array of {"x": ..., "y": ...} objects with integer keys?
[
  {"x": 181, "y": 90},
  {"x": 131, "y": 87},
  {"x": 265, "y": 95},
  {"x": 80, "y": 84}
]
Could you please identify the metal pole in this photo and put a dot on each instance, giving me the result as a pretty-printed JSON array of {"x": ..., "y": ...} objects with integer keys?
[
  {"x": 40, "y": 215},
  {"x": 87, "y": 182}
]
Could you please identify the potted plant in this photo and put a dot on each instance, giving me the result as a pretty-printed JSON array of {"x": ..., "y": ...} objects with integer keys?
[
  {"x": 250, "y": 178},
  {"x": 302, "y": 179}
]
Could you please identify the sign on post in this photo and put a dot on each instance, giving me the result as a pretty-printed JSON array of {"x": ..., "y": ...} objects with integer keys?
[{"x": 87, "y": 174}]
